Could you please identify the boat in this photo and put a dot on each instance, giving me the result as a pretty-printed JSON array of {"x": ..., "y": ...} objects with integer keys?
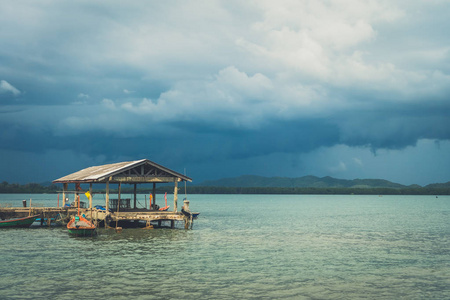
[
  {"x": 189, "y": 214},
  {"x": 165, "y": 208},
  {"x": 24, "y": 222},
  {"x": 80, "y": 226}
]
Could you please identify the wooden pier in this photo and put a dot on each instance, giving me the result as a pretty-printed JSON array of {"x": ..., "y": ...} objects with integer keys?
[
  {"x": 100, "y": 217},
  {"x": 114, "y": 210}
]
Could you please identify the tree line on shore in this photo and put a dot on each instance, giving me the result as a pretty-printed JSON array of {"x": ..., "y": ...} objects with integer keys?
[
  {"x": 35, "y": 188},
  {"x": 318, "y": 191},
  {"x": 29, "y": 188}
]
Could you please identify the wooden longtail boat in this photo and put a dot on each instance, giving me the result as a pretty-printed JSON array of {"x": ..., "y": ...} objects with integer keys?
[
  {"x": 80, "y": 226},
  {"x": 18, "y": 222}
]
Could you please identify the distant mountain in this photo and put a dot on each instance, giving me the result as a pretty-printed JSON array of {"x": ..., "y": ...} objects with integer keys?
[
  {"x": 299, "y": 182},
  {"x": 439, "y": 185}
]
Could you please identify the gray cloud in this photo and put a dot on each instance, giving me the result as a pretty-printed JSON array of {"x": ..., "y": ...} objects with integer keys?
[
  {"x": 7, "y": 88},
  {"x": 223, "y": 81}
]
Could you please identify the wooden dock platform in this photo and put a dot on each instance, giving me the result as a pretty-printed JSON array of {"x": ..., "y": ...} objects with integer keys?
[{"x": 98, "y": 216}]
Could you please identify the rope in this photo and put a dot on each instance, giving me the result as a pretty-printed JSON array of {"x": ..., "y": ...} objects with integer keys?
[{"x": 142, "y": 205}]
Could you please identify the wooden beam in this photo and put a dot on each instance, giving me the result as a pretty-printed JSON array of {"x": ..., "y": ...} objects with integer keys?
[
  {"x": 139, "y": 179},
  {"x": 150, "y": 171}
]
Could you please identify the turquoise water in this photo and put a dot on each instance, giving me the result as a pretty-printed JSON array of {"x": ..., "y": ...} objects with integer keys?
[{"x": 244, "y": 247}]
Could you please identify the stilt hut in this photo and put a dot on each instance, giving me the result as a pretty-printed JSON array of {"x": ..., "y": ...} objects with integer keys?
[{"x": 130, "y": 172}]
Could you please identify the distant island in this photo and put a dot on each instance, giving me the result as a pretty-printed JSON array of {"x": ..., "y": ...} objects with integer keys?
[
  {"x": 303, "y": 182},
  {"x": 252, "y": 184}
]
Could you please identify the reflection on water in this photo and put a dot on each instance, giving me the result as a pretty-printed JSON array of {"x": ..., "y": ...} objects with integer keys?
[{"x": 248, "y": 247}]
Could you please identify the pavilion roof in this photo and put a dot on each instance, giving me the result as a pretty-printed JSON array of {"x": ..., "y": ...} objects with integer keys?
[{"x": 138, "y": 171}]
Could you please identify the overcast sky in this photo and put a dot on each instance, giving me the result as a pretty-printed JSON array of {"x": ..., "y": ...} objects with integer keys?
[{"x": 347, "y": 88}]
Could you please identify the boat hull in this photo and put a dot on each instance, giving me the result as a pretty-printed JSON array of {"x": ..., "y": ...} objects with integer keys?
[
  {"x": 19, "y": 222},
  {"x": 79, "y": 226},
  {"x": 81, "y": 231},
  {"x": 189, "y": 214}
]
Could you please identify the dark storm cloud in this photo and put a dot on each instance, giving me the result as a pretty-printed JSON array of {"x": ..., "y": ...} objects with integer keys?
[
  {"x": 394, "y": 126},
  {"x": 222, "y": 82}
]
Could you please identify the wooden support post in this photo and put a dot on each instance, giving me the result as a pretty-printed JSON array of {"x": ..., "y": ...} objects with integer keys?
[
  {"x": 107, "y": 203},
  {"x": 65, "y": 185},
  {"x": 107, "y": 196},
  {"x": 186, "y": 205},
  {"x": 90, "y": 199},
  {"x": 118, "y": 198},
  {"x": 154, "y": 195},
  {"x": 135, "y": 196},
  {"x": 79, "y": 205},
  {"x": 118, "y": 229},
  {"x": 172, "y": 224},
  {"x": 175, "y": 195},
  {"x": 90, "y": 196}
]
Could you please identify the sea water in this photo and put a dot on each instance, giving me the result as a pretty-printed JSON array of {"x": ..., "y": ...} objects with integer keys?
[{"x": 243, "y": 247}]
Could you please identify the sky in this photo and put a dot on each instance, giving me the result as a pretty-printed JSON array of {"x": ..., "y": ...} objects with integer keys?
[{"x": 214, "y": 89}]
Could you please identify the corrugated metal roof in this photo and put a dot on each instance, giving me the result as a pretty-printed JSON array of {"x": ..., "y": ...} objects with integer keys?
[{"x": 101, "y": 173}]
